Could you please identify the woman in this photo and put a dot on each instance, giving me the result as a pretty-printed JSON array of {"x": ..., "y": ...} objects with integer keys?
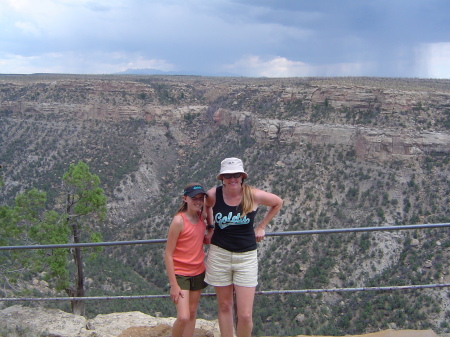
[
  {"x": 184, "y": 259},
  {"x": 232, "y": 261}
]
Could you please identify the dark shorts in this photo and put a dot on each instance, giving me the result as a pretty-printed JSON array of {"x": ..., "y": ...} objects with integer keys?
[{"x": 192, "y": 282}]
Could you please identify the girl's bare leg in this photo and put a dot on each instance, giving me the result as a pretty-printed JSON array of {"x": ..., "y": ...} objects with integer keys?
[{"x": 194, "y": 297}]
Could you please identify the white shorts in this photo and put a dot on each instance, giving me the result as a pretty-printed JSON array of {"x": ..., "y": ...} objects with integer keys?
[{"x": 224, "y": 268}]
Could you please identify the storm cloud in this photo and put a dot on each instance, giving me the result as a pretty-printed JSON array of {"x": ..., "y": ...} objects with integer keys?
[{"x": 227, "y": 37}]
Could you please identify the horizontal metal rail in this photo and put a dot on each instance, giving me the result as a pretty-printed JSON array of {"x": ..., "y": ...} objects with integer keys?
[
  {"x": 358, "y": 229},
  {"x": 269, "y": 234},
  {"x": 268, "y": 292},
  {"x": 86, "y": 244}
]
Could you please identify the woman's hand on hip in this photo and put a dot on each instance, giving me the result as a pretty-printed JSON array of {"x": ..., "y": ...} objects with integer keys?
[{"x": 259, "y": 234}]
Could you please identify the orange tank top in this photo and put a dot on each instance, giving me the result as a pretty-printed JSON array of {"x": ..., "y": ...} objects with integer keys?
[{"x": 188, "y": 256}]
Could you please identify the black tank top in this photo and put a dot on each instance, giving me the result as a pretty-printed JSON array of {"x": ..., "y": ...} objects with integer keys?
[{"x": 231, "y": 232}]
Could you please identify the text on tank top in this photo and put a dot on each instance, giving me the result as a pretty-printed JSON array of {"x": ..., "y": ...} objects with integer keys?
[{"x": 231, "y": 231}]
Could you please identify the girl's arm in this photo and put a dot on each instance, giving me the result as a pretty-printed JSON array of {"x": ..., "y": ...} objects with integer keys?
[
  {"x": 174, "y": 231},
  {"x": 270, "y": 200}
]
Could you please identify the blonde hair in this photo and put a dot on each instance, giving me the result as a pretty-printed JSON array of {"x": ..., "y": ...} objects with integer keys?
[
  {"x": 247, "y": 201},
  {"x": 183, "y": 206}
]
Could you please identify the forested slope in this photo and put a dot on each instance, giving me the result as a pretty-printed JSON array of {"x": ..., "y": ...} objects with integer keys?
[{"x": 341, "y": 152}]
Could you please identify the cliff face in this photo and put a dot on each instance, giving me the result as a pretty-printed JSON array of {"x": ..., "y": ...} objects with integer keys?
[
  {"x": 378, "y": 120},
  {"x": 342, "y": 152},
  {"x": 369, "y": 143}
]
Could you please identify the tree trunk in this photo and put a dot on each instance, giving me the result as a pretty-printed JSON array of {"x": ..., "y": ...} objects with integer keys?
[{"x": 78, "y": 306}]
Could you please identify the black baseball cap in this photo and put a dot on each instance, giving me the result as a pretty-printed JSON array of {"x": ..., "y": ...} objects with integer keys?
[{"x": 192, "y": 191}]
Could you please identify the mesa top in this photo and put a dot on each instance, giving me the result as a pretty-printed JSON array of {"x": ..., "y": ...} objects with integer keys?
[
  {"x": 231, "y": 231},
  {"x": 188, "y": 256}
]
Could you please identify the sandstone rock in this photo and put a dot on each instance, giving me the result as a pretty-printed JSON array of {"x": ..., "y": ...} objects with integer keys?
[
  {"x": 414, "y": 242},
  {"x": 369, "y": 143},
  {"x": 39, "y": 320},
  {"x": 427, "y": 264},
  {"x": 300, "y": 318},
  {"x": 162, "y": 330},
  {"x": 392, "y": 326},
  {"x": 111, "y": 325},
  {"x": 57, "y": 323}
]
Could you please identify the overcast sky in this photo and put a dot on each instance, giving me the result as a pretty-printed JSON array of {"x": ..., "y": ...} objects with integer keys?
[{"x": 273, "y": 38}]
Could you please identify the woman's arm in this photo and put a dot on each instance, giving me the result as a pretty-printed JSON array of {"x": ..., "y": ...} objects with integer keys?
[
  {"x": 210, "y": 201},
  {"x": 174, "y": 231},
  {"x": 270, "y": 200}
]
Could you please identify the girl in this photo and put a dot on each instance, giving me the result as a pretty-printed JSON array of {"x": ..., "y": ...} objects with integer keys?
[{"x": 184, "y": 259}]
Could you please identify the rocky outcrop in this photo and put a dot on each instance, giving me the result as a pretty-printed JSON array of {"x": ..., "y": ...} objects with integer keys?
[
  {"x": 57, "y": 323},
  {"x": 368, "y": 143},
  {"x": 162, "y": 330},
  {"x": 385, "y": 100}
]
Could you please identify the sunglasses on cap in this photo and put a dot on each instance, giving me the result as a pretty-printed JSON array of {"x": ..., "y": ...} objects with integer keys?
[{"x": 230, "y": 175}]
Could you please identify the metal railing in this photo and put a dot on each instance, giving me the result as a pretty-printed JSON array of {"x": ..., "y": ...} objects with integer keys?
[{"x": 270, "y": 292}]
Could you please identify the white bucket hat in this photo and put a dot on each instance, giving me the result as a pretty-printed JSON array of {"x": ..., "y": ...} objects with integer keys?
[{"x": 231, "y": 165}]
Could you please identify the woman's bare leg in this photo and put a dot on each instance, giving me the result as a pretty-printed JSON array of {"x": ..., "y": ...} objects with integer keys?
[
  {"x": 244, "y": 301},
  {"x": 225, "y": 308}
]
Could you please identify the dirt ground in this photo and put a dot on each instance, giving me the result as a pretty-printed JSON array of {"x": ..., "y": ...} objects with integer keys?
[{"x": 392, "y": 333}]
